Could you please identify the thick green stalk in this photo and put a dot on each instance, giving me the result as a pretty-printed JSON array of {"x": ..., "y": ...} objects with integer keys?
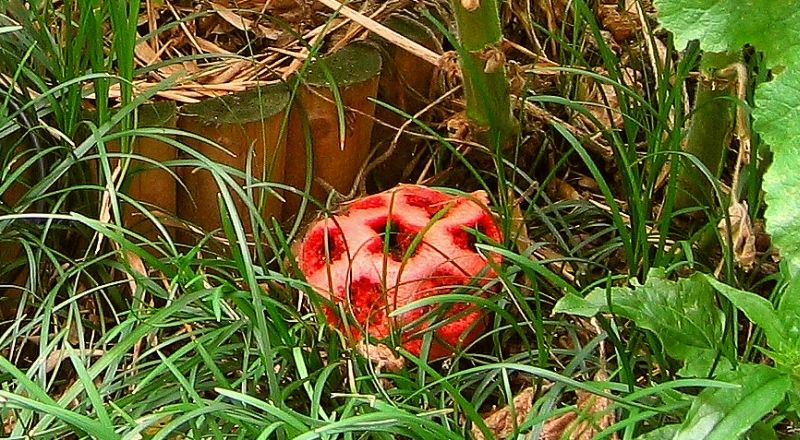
[
  {"x": 710, "y": 131},
  {"x": 483, "y": 67}
]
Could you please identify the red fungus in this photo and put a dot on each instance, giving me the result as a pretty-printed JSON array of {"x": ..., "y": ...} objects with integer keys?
[{"x": 423, "y": 241}]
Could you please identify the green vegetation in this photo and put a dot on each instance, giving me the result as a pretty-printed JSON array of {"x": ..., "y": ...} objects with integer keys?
[
  {"x": 684, "y": 327},
  {"x": 480, "y": 35}
]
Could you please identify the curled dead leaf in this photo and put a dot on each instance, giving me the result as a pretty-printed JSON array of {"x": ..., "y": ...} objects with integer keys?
[
  {"x": 559, "y": 189},
  {"x": 592, "y": 415},
  {"x": 458, "y": 126},
  {"x": 519, "y": 228},
  {"x": 602, "y": 100},
  {"x": 743, "y": 240},
  {"x": 244, "y": 24},
  {"x": 137, "y": 265},
  {"x": 381, "y": 356},
  {"x": 503, "y": 421},
  {"x": 588, "y": 183},
  {"x": 621, "y": 20},
  {"x": 471, "y": 5},
  {"x": 57, "y": 356},
  {"x": 495, "y": 59},
  {"x": 448, "y": 65}
]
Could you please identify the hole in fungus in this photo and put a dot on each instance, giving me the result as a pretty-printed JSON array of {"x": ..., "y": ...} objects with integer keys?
[
  {"x": 368, "y": 303},
  {"x": 395, "y": 238},
  {"x": 316, "y": 254},
  {"x": 466, "y": 236}
]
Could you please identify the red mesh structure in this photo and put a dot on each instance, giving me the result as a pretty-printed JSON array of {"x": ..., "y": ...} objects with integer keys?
[{"x": 382, "y": 252}]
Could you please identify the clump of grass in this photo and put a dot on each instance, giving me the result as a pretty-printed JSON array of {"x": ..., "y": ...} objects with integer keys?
[{"x": 119, "y": 336}]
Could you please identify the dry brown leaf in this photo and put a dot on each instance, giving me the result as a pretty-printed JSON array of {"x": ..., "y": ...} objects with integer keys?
[
  {"x": 210, "y": 47},
  {"x": 555, "y": 428},
  {"x": 187, "y": 29},
  {"x": 269, "y": 5},
  {"x": 105, "y": 203},
  {"x": 559, "y": 265},
  {"x": 147, "y": 57},
  {"x": 229, "y": 73},
  {"x": 244, "y": 24},
  {"x": 145, "y": 53},
  {"x": 190, "y": 66},
  {"x": 212, "y": 93},
  {"x": 179, "y": 97},
  {"x": 555, "y": 11},
  {"x": 519, "y": 228},
  {"x": 381, "y": 356},
  {"x": 621, "y": 21},
  {"x": 559, "y": 189},
  {"x": 137, "y": 265},
  {"x": 604, "y": 100},
  {"x": 608, "y": 116},
  {"x": 471, "y": 5},
  {"x": 381, "y": 30},
  {"x": 57, "y": 356},
  {"x": 593, "y": 414},
  {"x": 588, "y": 183},
  {"x": 503, "y": 421},
  {"x": 741, "y": 233}
]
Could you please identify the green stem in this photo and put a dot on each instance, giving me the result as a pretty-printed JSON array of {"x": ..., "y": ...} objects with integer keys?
[
  {"x": 486, "y": 88},
  {"x": 710, "y": 131}
]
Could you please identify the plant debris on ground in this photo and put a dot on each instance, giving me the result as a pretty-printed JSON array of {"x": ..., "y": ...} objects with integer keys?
[{"x": 641, "y": 283}]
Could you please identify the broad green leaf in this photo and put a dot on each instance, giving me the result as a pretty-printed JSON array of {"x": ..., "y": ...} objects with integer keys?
[
  {"x": 727, "y": 25},
  {"x": 701, "y": 361},
  {"x": 725, "y": 414},
  {"x": 756, "y": 308},
  {"x": 762, "y": 431},
  {"x": 777, "y": 118},
  {"x": 575, "y": 305},
  {"x": 781, "y": 326},
  {"x": 663, "y": 433},
  {"x": 773, "y": 28},
  {"x": 788, "y": 352},
  {"x": 789, "y": 311},
  {"x": 682, "y": 314}
]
